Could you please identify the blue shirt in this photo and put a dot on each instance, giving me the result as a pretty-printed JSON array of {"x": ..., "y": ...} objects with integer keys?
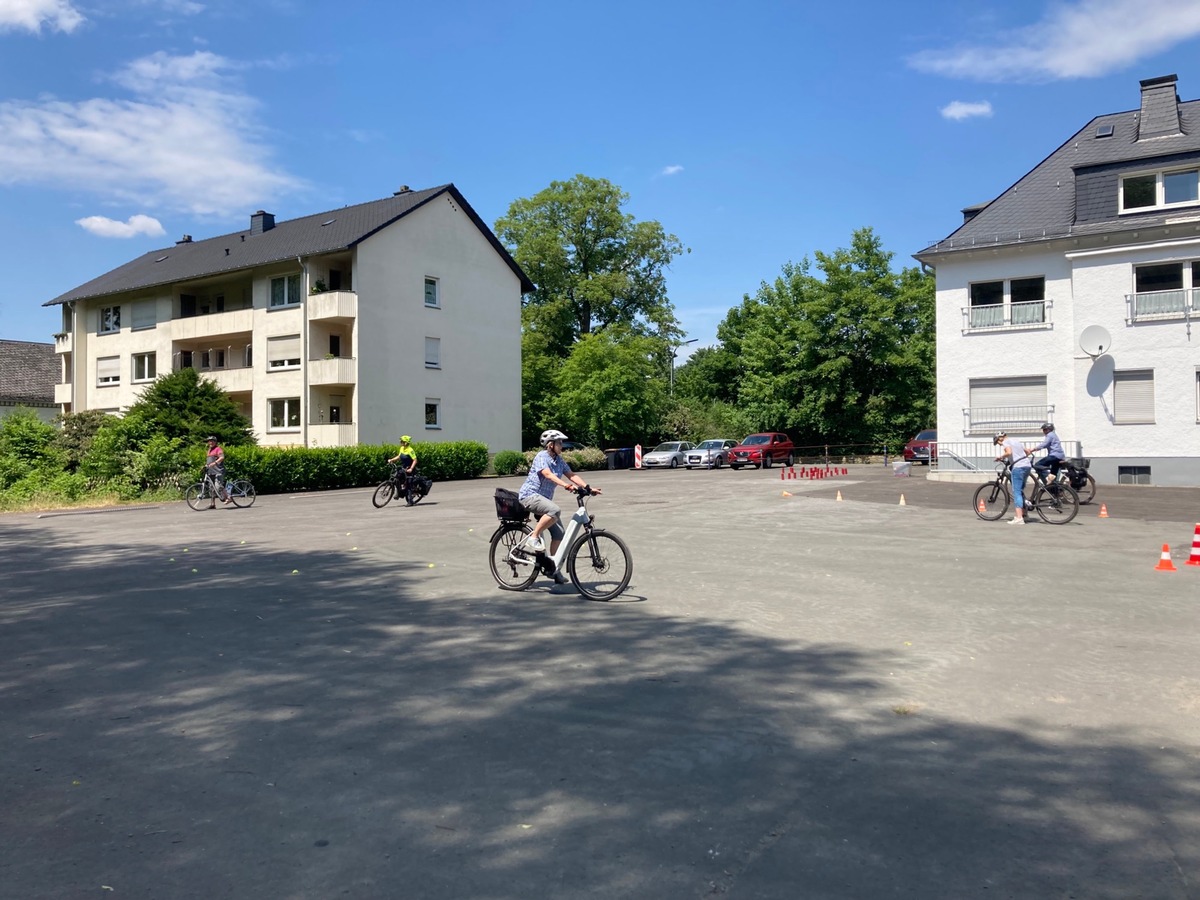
[
  {"x": 535, "y": 483},
  {"x": 1054, "y": 445}
]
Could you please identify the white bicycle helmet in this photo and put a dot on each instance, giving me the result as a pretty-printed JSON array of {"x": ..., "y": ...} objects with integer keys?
[{"x": 552, "y": 434}]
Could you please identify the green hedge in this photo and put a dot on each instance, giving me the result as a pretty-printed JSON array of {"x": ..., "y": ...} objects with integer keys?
[
  {"x": 587, "y": 459},
  {"x": 275, "y": 470}
]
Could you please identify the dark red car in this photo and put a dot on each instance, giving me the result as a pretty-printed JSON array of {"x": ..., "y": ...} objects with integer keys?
[
  {"x": 761, "y": 450},
  {"x": 923, "y": 447}
]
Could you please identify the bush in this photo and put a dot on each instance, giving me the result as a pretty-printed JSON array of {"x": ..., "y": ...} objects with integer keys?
[
  {"x": 587, "y": 459},
  {"x": 510, "y": 462}
]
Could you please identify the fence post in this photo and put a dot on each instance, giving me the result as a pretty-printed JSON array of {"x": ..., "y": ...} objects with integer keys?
[{"x": 885, "y": 454}]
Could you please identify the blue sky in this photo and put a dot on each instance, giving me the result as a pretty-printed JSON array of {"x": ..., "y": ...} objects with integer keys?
[{"x": 757, "y": 132}]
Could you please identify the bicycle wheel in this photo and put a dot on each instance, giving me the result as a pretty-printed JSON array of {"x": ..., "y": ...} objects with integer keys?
[
  {"x": 196, "y": 496},
  {"x": 1056, "y": 505},
  {"x": 241, "y": 492},
  {"x": 513, "y": 572},
  {"x": 600, "y": 565},
  {"x": 991, "y": 501},
  {"x": 1087, "y": 493},
  {"x": 416, "y": 493},
  {"x": 383, "y": 495}
]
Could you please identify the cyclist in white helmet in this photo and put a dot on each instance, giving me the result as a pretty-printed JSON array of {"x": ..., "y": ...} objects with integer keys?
[{"x": 548, "y": 471}]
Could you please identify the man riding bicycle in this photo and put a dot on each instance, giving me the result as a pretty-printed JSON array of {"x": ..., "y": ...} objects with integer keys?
[
  {"x": 548, "y": 471},
  {"x": 1054, "y": 457},
  {"x": 407, "y": 457}
]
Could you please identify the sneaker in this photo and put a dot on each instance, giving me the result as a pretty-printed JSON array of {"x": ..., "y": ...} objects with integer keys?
[
  {"x": 537, "y": 545},
  {"x": 560, "y": 578},
  {"x": 1016, "y": 521}
]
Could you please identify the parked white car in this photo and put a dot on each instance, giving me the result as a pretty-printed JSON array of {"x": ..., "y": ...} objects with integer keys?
[
  {"x": 668, "y": 455},
  {"x": 710, "y": 454}
]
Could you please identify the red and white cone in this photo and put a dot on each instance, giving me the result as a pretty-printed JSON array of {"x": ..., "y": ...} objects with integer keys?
[
  {"x": 1194, "y": 559},
  {"x": 1164, "y": 561},
  {"x": 637, "y": 456}
]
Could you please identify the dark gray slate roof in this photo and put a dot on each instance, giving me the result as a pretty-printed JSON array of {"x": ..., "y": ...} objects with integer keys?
[
  {"x": 323, "y": 232},
  {"x": 28, "y": 373},
  {"x": 1042, "y": 205}
]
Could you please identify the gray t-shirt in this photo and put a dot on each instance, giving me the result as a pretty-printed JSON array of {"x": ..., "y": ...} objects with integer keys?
[{"x": 1020, "y": 459}]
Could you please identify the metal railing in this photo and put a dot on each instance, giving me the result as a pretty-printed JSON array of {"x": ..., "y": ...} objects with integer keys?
[
  {"x": 1002, "y": 316},
  {"x": 985, "y": 419},
  {"x": 1152, "y": 306},
  {"x": 980, "y": 456}
]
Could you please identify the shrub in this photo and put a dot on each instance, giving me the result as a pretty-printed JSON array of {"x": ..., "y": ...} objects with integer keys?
[
  {"x": 510, "y": 462},
  {"x": 587, "y": 459}
]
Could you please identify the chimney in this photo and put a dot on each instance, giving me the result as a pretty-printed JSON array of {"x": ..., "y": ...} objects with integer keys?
[
  {"x": 970, "y": 212},
  {"x": 261, "y": 221},
  {"x": 404, "y": 189},
  {"x": 1159, "y": 115},
  {"x": 186, "y": 239}
]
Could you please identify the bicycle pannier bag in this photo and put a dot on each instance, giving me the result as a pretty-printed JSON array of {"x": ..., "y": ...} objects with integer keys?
[{"x": 508, "y": 507}]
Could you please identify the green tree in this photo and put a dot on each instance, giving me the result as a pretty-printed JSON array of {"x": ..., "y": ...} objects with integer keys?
[
  {"x": 594, "y": 266},
  {"x": 78, "y": 430},
  {"x": 710, "y": 373},
  {"x": 610, "y": 389},
  {"x": 184, "y": 406}
]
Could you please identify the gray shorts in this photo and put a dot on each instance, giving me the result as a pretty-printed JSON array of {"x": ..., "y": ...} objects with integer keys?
[{"x": 540, "y": 506}]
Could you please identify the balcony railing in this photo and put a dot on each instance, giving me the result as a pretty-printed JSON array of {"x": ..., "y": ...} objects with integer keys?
[
  {"x": 64, "y": 393},
  {"x": 1007, "y": 316},
  {"x": 64, "y": 342},
  {"x": 341, "y": 305},
  {"x": 1158, "y": 306},
  {"x": 1014, "y": 419},
  {"x": 335, "y": 370}
]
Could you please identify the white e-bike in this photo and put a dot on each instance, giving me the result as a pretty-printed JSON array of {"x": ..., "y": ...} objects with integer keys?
[{"x": 597, "y": 561}]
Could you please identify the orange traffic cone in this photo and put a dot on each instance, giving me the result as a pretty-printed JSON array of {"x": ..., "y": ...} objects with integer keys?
[
  {"x": 839, "y": 496},
  {"x": 787, "y": 494},
  {"x": 1164, "y": 561},
  {"x": 902, "y": 503},
  {"x": 1194, "y": 559},
  {"x": 1103, "y": 511},
  {"x": 982, "y": 506}
]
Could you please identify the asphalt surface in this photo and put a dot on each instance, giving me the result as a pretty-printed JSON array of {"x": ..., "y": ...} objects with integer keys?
[{"x": 796, "y": 697}]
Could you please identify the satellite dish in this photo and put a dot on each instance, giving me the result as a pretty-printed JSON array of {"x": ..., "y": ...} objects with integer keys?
[{"x": 1095, "y": 340}]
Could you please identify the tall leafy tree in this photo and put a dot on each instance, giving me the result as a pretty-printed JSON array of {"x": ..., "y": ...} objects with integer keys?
[{"x": 184, "y": 405}]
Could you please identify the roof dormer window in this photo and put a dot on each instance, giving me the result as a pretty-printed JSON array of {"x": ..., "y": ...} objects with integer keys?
[{"x": 1160, "y": 190}]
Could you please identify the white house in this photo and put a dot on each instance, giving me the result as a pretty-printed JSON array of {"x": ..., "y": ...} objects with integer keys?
[
  {"x": 1070, "y": 298},
  {"x": 356, "y": 325}
]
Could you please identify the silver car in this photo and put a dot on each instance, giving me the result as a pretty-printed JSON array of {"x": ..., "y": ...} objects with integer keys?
[
  {"x": 711, "y": 454},
  {"x": 668, "y": 455}
]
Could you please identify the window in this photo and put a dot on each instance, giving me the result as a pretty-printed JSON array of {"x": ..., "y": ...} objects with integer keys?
[
  {"x": 110, "y": 319},
  {"x": 433, "y": 353},
  {"x": 1133, "y": 475},
  {"x": 285, "y": 414},
  {"x": 145, "y": 366},
  {"x": 108, "y": 370},
  {"x": 283, "y": 352},
  {"x": 433, "y": 296},
  {"x": 1133, "y": 397},
  {"x": 145, "y": 314},
  {"x": 285, "y": 290},
  {"x": 433, "y": 413},
  {"x": 1007, "y": 403},
  {"x": 1026, "y": 303},
  {"x": 1156, "y": 190},
  {"x": 1198, "y": 395},
  {"x": 1162, "y": 290}
]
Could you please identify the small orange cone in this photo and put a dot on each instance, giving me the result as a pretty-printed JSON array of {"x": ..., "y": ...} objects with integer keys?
[
  {"x": 1164, "y": 561},
  {"x": 1194, "y": 559},
  {"x": 787, "y": 493},
  {"x": 982, "y": 506},
  {"x": 839, "y": 496},
  {"x": 902, "y": 503},
  {"x": 1103, "y": 511}
]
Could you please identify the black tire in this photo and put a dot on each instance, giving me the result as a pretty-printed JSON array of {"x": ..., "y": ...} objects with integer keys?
[
  {"x": 510, "y": 575},
  {"x": 790, "y": 461},
  {"x": 241, "y": 492},
  {"x": 599, "y": 565},
  {"x": 718, "y": 463},
  {"x": 196, "y": 497},
  {"x": 383, "y": 495},
  {"x": 674, "y": 463},
  {"x": 1057, "y": 504},
  {"x": 416, "y": 493},
  {"x": 766, "y": 463},
  {"x": 991, "y": 501},
  {"x": 1087, "y": 493}
]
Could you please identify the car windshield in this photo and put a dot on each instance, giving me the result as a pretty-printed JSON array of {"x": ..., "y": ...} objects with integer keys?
[
  {"x": 711, "y": 445},
  {"x": 666, "y": 448},
  {"x": 757, "y": 439},
  {"x": 926, "y": 436}
]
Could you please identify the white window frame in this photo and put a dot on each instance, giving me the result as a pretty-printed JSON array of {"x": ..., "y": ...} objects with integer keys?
[
  {"x": 108, "y": 371},
  {"x": 290, "y": 297},
  {"x": 1159, "y": 190},
  {"x": 277, "y": 363},
  {"x": 434, "y": 404},
  {"x": 1198, "y": 394},
  {"x": 289, "y": 409},
  {"x": 436, "y": 284},
  {"x": 1133, "y": 404},
  {"x": 109, "y": 320},
  {"x": 433, "y": 353},
  {"x": 148, "y": 373}
]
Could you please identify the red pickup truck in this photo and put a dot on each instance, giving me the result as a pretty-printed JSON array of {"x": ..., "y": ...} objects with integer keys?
[{"x": 761, "y": 450}]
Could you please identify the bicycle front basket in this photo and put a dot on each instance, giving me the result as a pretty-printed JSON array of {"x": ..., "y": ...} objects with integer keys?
[{"x": 508, "y": 507}]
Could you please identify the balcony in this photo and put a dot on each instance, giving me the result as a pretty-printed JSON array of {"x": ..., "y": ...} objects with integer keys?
[
  {"x": 64, "y": 393},
  {"x": 236, "y": 377},
  {"x": 338, "y": 434},
  {"x": 1007, "y": 316},
  {"x": 64, "y": 342},
  {"x": 333, "y": 306},
  {"x": 1012, "y": 419},
  {"x": 338, "y": 370},
  {"x": 1162, "y": 306},
  {"x": 236, "y": 321}
]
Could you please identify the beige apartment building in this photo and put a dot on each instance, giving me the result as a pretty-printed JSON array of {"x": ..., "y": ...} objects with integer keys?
[{"x": 401, "y": 315}]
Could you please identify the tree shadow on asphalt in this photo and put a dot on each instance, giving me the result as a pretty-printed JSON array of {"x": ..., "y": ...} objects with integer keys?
[{"x": 242, "y": 731}]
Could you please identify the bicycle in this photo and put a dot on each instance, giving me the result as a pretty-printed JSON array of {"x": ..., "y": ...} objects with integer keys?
[
  {"x": 1055, "y": 503},
  {"x": 204, "y": 492},
  {"x": 597, "y": 561},
  {"x": 413, "y": 488},
  {"x": 1075, "y": 471}
]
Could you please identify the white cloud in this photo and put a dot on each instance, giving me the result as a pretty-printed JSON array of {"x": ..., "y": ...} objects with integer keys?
[
  {"x": 31, "y": 15},
  {"x": 671, "y": 170},
  {"x": 960, "y": 109},
  {"x": 1073, "y": 40},
  {"x": 103, "y": 226},
  {"x": 188, "y": 139}
]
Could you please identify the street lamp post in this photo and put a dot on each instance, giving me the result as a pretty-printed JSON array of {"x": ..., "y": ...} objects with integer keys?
[{"x": 674, "y": 353}]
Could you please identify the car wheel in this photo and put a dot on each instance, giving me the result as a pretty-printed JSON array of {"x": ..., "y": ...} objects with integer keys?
[
  {"x": 766, "y": 463},
  {"x": 674, "y": 463},
  {"x": 717, "y": 464}
]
